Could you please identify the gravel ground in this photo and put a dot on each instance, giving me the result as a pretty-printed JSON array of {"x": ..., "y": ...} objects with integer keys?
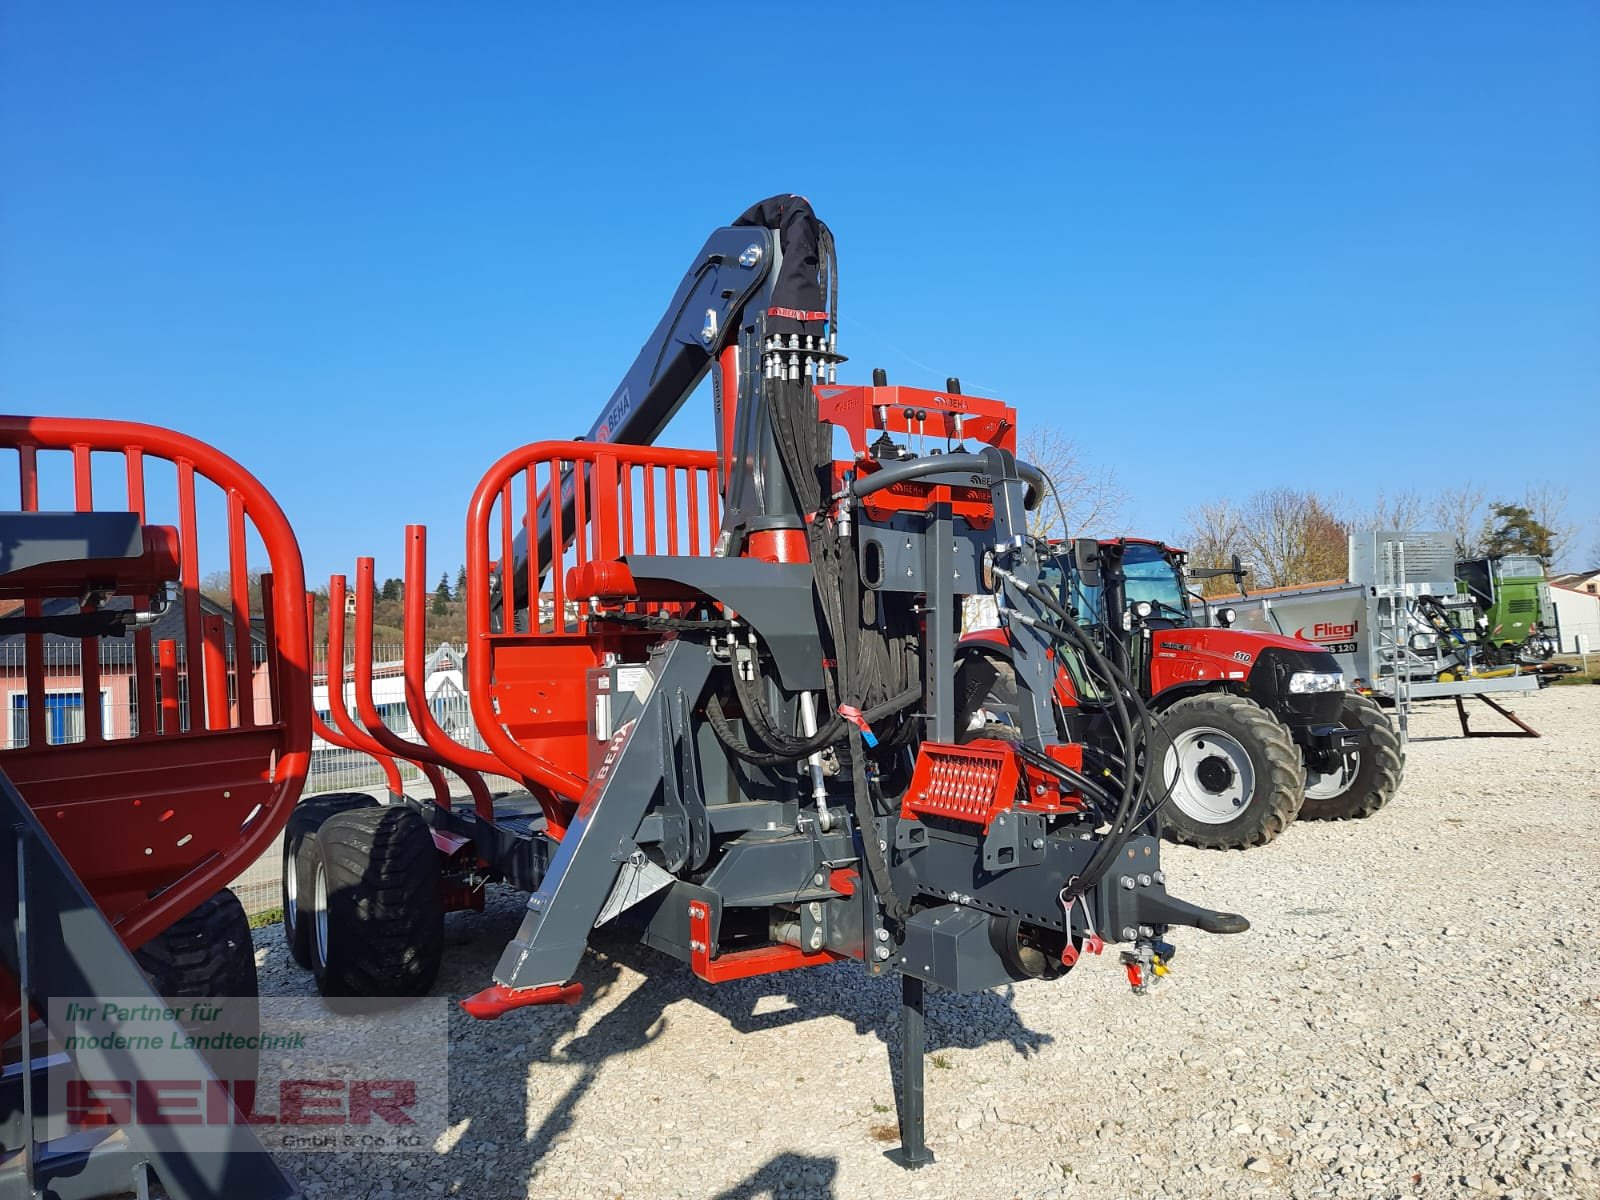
[{"x": 1416, "y": 1012}]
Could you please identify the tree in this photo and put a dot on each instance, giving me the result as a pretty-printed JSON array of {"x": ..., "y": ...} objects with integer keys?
[
  {"x": 1087, "y": 498},
  {"x": 1515, "y": 530},
  {"x": 393, "y": 589},
  {"x": 1293, "y": 537},
  {"x": 218, "y": 588},
  {"x": 1212, "y": 539},
  {"x": 461, "y": 583},
  {"x": 441, "y": 596},
  {"x": 1460, "y": 513},
  {"x": 1549, "y": 508},
  {"x": 1400, "y": 512}
]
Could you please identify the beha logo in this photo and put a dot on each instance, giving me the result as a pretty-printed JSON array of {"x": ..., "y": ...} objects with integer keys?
[
  {"x": 1325, "y": 632},
  {"x": 621, "y": 406}
]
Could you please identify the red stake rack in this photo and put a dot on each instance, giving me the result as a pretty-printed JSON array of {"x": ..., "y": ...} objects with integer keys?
[{"x": 187, "y": 777}]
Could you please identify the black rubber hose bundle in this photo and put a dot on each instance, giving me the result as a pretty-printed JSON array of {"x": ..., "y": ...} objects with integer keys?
[{"x": 1127, "y": 818}]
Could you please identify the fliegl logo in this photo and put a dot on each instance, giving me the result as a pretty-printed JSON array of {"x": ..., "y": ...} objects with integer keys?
[
  {"x": 621, "y": 406},
  {"x": 1328, "y": 632}
]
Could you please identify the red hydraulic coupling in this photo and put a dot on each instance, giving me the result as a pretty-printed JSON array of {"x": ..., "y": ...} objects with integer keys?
[{"x": 1070, "y": 954}]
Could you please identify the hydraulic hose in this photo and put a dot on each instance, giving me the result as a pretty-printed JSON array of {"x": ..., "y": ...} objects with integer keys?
[
  {"x": 965, "y": 464},
  {"x": 1135, "y": 781}
]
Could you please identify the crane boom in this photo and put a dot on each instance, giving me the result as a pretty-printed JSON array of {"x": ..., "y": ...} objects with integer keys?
[{"x": 759, "y": 278}]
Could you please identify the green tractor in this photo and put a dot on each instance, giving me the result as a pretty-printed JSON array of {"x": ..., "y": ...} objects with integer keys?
[{"x": 1511, "y": 596}]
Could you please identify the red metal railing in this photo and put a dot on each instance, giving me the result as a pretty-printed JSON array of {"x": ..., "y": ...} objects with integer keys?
[
  {"x": 366, "y": 731},
  {"x": 391, "y": 773},
  {"x": 528, "y": 686},
  {"x": 354, "y": 735},
  {"x": 450, "y": 752},
  {"x": 156, "y": 817},
  {"x": 366, "y": 707}
]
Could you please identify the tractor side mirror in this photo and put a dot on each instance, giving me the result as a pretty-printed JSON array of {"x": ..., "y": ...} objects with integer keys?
[{"x": 1086, "y": 554}]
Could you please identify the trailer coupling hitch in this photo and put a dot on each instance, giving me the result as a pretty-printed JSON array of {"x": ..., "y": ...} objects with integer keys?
[
  {"x": 1147, "y": 964},
  {"x": 497, "y": 1000}
]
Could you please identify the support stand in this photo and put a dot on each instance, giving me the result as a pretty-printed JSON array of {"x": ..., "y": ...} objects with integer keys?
[
  {"x": 1523, "y": 728},
  {"x": 913, "y": 1149}
]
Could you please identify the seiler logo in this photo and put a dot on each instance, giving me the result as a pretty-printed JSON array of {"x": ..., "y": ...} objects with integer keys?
[{"x": 1326, "y": 632}]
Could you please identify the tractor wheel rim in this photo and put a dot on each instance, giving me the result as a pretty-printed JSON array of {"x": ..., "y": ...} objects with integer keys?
[
  {"x": 291, "y": 893},
  {"x": 1211, "y": 775},
  {"x": 1325, "y": 785},
  {"x": 319, "y": 911}
]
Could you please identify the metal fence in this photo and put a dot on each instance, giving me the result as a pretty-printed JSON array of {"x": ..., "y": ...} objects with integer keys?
[
  {"x": 332, "y": 769},
  {"x": 120, "y": 669}
]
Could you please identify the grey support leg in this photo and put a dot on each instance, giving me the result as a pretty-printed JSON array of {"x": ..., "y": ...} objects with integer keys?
[
  {"x": 555, "y": 929},
  {"x": 913, "y": 1150}
]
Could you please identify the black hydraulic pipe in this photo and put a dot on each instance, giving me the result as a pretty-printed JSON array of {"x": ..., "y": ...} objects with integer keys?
[{"x": 918, "y": 468}]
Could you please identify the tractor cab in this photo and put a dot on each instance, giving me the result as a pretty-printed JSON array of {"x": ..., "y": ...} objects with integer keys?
[{"x": 1124, "y": 584}]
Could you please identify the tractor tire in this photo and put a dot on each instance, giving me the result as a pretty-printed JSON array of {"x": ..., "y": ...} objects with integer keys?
[
  {"x": 985, "y": 698},
  {"x": 1232, "y": 772},
  {"x": 1363, "y": 789},
  {"x": 298, "y": 837},
  {"x": 208, "y": 955},
  {"x": 377, "y": 914}
]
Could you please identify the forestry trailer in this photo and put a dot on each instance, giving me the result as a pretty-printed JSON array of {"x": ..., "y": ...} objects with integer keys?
[
  {"x": 1253, "y": 728},
  {"x": 729, "y": 682}
]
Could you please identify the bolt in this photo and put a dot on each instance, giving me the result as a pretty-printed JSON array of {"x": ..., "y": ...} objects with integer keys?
[
  {"x": 1038, "y": 789},
  {"x": 1129, "y": 933},
  {"x": 1038, "y": 843},
  {"x": 1160, "y": 877},
  {"x": 881, "y": 953},
  {"x": 1126, "y": 882},
  {"x": 1146, "y": 931},
  {"x": 816, "y": 880},
  {"x": 881, "y": 934},
  {"x": 1144, "y": 881}
]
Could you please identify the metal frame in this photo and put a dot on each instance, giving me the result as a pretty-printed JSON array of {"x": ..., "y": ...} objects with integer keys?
[
  {"x": 54, "y": 942},
  {"x": 106, "y": 798}
]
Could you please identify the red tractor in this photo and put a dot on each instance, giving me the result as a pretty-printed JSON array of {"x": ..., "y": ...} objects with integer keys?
[{"x": 1253, "y": 728}]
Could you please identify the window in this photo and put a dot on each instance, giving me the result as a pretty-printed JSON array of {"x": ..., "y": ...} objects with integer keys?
[
  {"x": 1521, "y": 566},
  {"x": 63, "y": 717},
  {"x": 1150, "y": 575}
]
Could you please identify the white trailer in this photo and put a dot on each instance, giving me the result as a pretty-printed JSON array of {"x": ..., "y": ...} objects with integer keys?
[{"x": 1395, "y": 624}]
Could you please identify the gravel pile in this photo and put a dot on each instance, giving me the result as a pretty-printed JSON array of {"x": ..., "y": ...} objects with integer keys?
[{"x": 1416, "y": 1012}]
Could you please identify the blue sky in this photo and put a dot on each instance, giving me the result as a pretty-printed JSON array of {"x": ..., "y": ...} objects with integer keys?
[{"x": 366, "y": 248}]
